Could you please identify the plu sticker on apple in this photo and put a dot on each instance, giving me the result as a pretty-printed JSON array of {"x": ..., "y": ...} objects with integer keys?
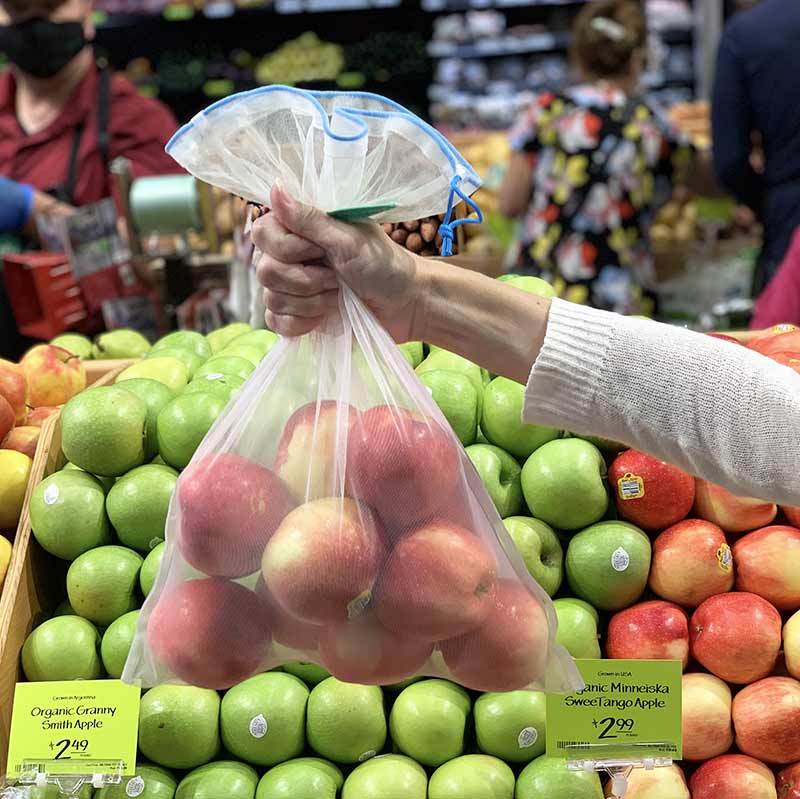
[{"x": 630, "y": 486}]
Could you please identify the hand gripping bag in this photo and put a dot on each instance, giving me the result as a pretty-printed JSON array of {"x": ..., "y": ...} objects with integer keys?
[{"x": 331, "y": 515}]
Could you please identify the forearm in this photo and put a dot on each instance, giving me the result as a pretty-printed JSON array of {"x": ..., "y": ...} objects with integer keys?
[
  {"x": 516, "y": 189},
  {"x": 714, "y": 409},
  {"x": 496, "y": 325},
  {"x": 45, "y": 205}
]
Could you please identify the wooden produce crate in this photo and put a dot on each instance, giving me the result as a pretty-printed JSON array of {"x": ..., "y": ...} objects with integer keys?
[
  {"x": 96, "y": 371},
  {"x": 35, "y": 581}
]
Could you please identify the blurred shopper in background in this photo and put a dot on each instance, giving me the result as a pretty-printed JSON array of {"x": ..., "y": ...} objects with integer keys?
[
  {"x": 756, "y": 122},
  {"x": 590, "y": 167},
  {"x": 779, "y": 303}
]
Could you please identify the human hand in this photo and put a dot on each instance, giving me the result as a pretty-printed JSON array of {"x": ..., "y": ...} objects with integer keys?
[{"x": 305, "y": 255}]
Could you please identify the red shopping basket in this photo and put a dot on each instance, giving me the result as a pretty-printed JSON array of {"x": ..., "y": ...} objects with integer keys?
[{"x": 44, "y": 295}]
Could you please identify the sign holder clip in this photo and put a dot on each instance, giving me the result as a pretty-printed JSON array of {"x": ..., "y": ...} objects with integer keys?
[{"x": 70, "y": 780}]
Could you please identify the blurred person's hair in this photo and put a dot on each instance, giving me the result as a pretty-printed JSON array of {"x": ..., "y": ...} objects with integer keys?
[{"x": 605, "y": 36}]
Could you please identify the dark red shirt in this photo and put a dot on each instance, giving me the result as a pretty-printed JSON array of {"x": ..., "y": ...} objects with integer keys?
[{"x": 138, "y": 129}]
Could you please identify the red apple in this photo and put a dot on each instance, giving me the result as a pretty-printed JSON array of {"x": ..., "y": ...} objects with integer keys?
[
  {"x": 14, "y": 387},
  {"x": 766, "y": 717},
  {"x": 777, "y": 341},
  {"x": 312, "y": 448},
  {"x": 792, "y": 515},
  {"x": 508, "y": 651},
  {"x": 790, "y": 359},
  {"x": 286, "y": 629},
  {"x": 38, "y": 416},
  {"x": 230, "y": 506},
  {"x": 210, "y": 632},
  {"x": 6, "y": 418},
  {"x": 791, "y": 645},
  {"x": 706, "y": 714},
  {"x": 736, "y": 636},
  {"x": 691, "y": 562},
  {"x": 652, "y": 630},
  {"x": 322, "y": 562},
  {"x": 724, "y": 337},
  {"x": 23, "y": 439},
  {"x": 402, "y": 464},
  {"x": 733, "y": 777},
  {"x": 649, "y": 492},
  {"x": 54, "y": 375},
  {"x": 362, "y": 650},
  {"x": 768, "y": 564},
  {"x": 733, "y": 514},
  {"x": 438, "y": 583},
  {"x": 789, "y": 782}
]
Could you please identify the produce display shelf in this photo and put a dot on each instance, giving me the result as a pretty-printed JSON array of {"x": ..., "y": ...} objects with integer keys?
[
  {"x": 517, "y": 45},
  {"x": 32, "y": 586},
  {"x": 96, "y": 371},
  {"x": 438, "y": 6}
]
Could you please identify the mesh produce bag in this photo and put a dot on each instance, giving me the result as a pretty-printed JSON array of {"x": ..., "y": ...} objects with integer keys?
[{"x": 331, "y": 515}]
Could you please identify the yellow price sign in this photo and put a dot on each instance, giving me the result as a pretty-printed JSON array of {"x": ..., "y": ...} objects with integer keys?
[{"x": 86, "y": 726}]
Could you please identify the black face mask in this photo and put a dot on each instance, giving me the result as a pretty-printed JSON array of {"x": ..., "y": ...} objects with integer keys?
[{"x": 42, "y": 48}]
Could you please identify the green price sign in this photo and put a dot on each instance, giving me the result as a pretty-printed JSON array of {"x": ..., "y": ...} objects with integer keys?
[
  {"x": 628, "y": 709},
  {"x": 74, "y": 727}
]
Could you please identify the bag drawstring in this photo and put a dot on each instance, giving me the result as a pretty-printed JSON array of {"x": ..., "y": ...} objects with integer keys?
[{"x": 447, "y": 228}]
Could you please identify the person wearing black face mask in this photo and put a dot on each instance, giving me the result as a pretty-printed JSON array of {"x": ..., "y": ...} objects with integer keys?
[{"x": 63, "y": 118}]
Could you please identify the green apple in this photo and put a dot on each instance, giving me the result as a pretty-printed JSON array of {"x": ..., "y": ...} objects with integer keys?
[
  {"x": 309, "y": 673},
  {"x": 224, "y": 778},
  {"x": 178, "y": 726},
  {"x": 189, "y": 358},
  {"x": 263, "y": 719},
  {"x": 122, "y": 343},
  {"x": 511, "y": 725},
  {"x": 502, "y": 423},
  {"x": 149, "y": 571},
  {"x": 102, "y": 430},
  {"x": 457, "y": 399},
  {"x": 428, "y": 721},
  {"x": 183, "y": 424},
  {"x": 387, "y": 777},
  {"x": 303, "y": 778},
  {"x": 608, "y": 564},
  {"x": 149, "y": 782},
  {"x": 226, "y": 365},
  {"x": 577, "y": 627},
  {"x": 63, "y": 648},
  {"x": 75, "y": 343},
  {"x": 68, "y": 514},
  {"x": 64, "y": 609},
  {"x": 155, "y": 396},
  {"x": 247, "y": 351},
  {"x": 396, "y": 687},
  {"x": 262, "y": 340},
  {"x": 500, "y": 474},
  {"x": 101, "y": 583},
  {"x": 53, "y": 791},
  {"x": 413, "y": 352},
  {"x": 444, "y": 359},
  {"x": 473, "y": 776},
  {"x": 603, "y": 444},
  {"x": 185, "y": 340},
  {"x": 220, "y": 385},
  {"x": 529, "y": 283},
  {"x": 166, "y": 369},
  {"x": 549, "y": 777},
  {"x": 564, "y": 483},
  {"x": 346, "y": 723},
  {"x": 540, "y": 550},
  {"x": 217, "y": 339},
  {"x": 106, "y": 482},
  {"x": 137, "y": 505},
  {"x": 116, "y": 643}
]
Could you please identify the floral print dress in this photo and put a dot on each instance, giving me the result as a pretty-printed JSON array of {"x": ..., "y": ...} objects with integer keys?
[{"x": 602, "y": 163}]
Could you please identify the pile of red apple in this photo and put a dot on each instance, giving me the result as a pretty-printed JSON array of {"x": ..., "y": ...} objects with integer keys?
[{"x": 369, "y": 562}]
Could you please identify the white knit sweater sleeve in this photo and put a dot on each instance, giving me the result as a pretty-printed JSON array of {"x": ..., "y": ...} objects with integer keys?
[{"x": 710, "y": 407}]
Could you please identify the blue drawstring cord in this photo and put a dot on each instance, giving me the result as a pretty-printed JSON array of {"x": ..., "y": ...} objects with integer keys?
[{"x": 447, "y": 228}]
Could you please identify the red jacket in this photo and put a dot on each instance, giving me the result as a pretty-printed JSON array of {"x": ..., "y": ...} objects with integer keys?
[
  {"x": 780, "y": 302},
  {"x": 138, "y": 129}
]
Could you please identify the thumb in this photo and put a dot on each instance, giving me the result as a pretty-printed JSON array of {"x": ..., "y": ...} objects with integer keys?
[{"x": 303, "y": 220}]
